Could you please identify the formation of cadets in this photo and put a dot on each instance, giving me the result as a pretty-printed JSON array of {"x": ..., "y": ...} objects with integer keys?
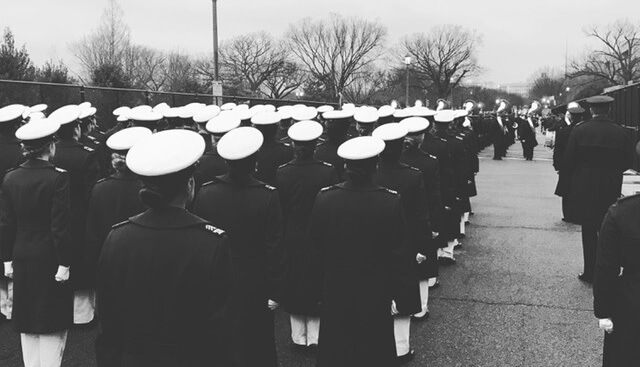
[{"x": 181, "y": 229}]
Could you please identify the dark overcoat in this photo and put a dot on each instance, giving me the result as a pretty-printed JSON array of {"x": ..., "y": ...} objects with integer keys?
[
  {"x": 209, "y": 167},
  {"x": 10, "y": 157},
  {"x": 327, "y": 151},
  {"x": 359, "y": 235},
  {"x": 616, "y": 286},
  {"x": 113, "y": 200},
  {"x": 527, "y": 133},
  {"x": 250, "y": 213},
  {"x": 164, "y": 290},
  {"x": 272, "y": 155},
  {"x": 298, "y": 183},
  {"x": 407, "y": 181},
  {"x": 563, "y": 132},
  {"x": 82, "y": 164},
  {"x": 34, "y": 234},
  {"x": 598, "y": 153}
]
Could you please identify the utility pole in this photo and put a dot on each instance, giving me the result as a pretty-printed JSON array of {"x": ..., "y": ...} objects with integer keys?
[{"x": 217, "y": 84}]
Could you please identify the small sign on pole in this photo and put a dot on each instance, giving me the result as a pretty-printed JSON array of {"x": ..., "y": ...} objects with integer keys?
[{"x": 216, "y": 90}]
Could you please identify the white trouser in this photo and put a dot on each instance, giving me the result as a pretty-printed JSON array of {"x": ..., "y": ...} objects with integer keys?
[
  {"x": 402, "y": 332},
  {"x": 84, "y": 306},
  {"x": 43, "y": 350},
  {"x": 424, "y": 297},
  {"x": 465, "y": 217},
  {"x": 432, "y": 281},
  {"x": 462, "y": 229},
  {"x": 447, "y": 251},
  {"x": 305, "y": 329},
  {"x": 6, "y": 298}
]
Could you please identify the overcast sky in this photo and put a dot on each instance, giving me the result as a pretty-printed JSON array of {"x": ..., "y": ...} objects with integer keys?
[{"x": 519, "y": 37}]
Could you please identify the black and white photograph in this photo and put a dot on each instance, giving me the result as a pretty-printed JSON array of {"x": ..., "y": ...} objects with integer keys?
[{"x": 218, "y": 183}]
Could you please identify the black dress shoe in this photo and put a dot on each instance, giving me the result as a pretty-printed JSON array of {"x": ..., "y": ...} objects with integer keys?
[
  {"x": 446, "y": 261},
  {"x": 586, "y": 278},
  {"x": 406, "y": 358},
  {"x": 424, "y": 317},
  {"x": 435, "y": 285}
]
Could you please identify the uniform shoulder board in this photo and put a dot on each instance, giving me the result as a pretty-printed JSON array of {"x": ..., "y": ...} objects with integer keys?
[
  {"x": 459, "y": 137},
  {"x": 102, "y": 180},
  {"x": 443, "y": 139},
  {"x": 390, "y": 191},
  {"x": 328, "y": 188},
  {"x": 269, "y": 187},
  {"x": 209, "y": 183},
  {"x": 60, "y": 170},
  {"x": 118, "y": 225},
  {"x": 10, "y": 169},
  {"x": 214, "y": 230},
  {"x": 433, "y": 156},
  {"x": 413, "y": 168},
  {"x": 284, "y": 165},
  {"x": 635, "y": 196},
  {"x": 327, "y": 164},
  {"x": 91, "y": 138},
  {"x": 88, "y": 149},
  {"x": 286, "y": 144}
]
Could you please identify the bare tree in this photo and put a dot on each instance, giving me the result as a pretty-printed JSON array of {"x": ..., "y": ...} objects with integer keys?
[
  {"x": 366, "y": 85},
  {"x": 546, "y": 82},
  {"x": 182, "y": 75},
  {"x": 618, "y": 59},
  {"x": 254, "y": 57},
  {"x": 285, "y": 80},
  {"x": 334, "y": 50},
  {"x": 444, "y": 56},
  {"x": 107, "y": 44},
  {"x": 147, "y": 67}
]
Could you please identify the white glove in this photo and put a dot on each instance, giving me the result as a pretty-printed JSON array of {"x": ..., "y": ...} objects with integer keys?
[
  {"x": 63, "y": 274},
  {"x": 434, "y": 234},
  {"x": 606, "y": 325},
  {"x": 420, "y": 258},
  {"x": 8, "y": 269},
  {"x": 394, "y": 308},
  {"x": 272, "y": 304}
]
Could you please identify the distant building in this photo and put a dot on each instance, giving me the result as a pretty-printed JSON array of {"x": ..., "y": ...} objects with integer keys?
[{"x": 521, "y": 89}]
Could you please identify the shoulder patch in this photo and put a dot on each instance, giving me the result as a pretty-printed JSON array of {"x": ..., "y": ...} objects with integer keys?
[
  {"x": 118, "y": 225},
  {"x": 328, "y": 188},
  {"x": 60, "y": 170},
  {"x": 214, "y": 230},
  {"x": 88, "y": 149},
  {"x": 269, "y": 187}
]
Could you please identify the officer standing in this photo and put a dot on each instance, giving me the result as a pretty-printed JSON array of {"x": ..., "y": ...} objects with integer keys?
[
  {"x": 10, "y": 157},
  {"x": 82, "y": 164},
  {"x": 298, "y": 183},
  {"x": 36, "y": 251},
  {"x": 598, "y": 153},
  {"x": 572, "y": 118},
  {"x": 406, "y": 181},
  {"x": 359, "y": 233},
  {"x": 114, "y": 198},
  {"x": 337, "y": 124},
  {"x": 250, "y": 212},
  {"x": 165, "y": 251},
  {"x": 272, "y": 153},
  {"x": 616, "y": 286}
]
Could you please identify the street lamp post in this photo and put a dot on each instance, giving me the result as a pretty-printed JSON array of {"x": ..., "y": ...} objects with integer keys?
[
  {"x": 407, "y": 61},
  {"x": 217, "y": 85}
]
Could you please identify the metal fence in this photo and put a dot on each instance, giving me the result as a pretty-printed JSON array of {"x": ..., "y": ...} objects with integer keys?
[{"x": 108, "y": 99}]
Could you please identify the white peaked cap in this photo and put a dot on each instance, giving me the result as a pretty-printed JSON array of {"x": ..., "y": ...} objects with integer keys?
[
  {"x": 37, "y": 129},
  {"x": 362, "y": 147},
  {"x": 126, "y": 138},
  {"x": 166, "y": 152},
  {"x": 305, "y": 131},
  {"x": 223, "y": 123},
  {"x": 389, "y": 132},
  {"x": 415, "y": 124},
  {"x": 240, "y": 143}
]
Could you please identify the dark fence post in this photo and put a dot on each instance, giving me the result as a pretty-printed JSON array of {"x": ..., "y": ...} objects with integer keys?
[
  {"x": 81, "y": 93},
  {"x": 147, "y": 97},
  {"x": 41, "y": 93}
]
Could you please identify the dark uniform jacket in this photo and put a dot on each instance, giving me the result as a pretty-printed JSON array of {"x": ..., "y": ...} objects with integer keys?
[
  {"x": 34, "y": 234},
  {"x": 298, "y": 183},
  {"x": 360, "y": 237},
  {"x": 429, "y": 166},
  {"x": 598, "y": 153},
  {"x": 616, "y": 286},
  {"x": 113, "y": 200},
  {"x": 10, "y": 157},
  {"x": 82, "y": 164},
  {"x": 563, "y": 132},
  {"x": 407, "y": 181},
  {"x": 272, "y": 155},
  {"x": 210, "y": 166},
  {"x": 164, "y": 287},
  {"x": 250, "y": 212},
  {"x": 96, "y": 140},
  {"x": 526, "y": 133},
  {"x": 328, "y": 152}
]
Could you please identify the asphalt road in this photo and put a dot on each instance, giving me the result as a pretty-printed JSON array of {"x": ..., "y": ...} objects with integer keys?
[{"x": 512, "y": 299}]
